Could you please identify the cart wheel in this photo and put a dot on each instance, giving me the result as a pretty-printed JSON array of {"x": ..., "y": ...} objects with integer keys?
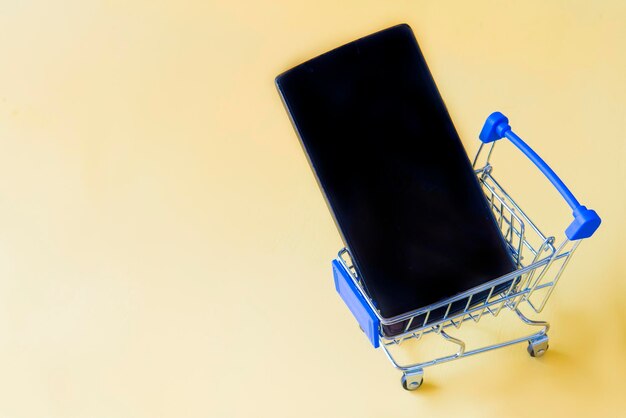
[
  {"x": 538, "y": 347},
  {"x": 413, "y": 380}
]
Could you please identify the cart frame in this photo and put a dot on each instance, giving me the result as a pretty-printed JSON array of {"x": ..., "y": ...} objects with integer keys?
[{"x": 531, "y": 285}]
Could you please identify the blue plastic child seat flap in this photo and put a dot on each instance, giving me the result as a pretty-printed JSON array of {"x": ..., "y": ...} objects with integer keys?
[{"x": 355, "y": 301}]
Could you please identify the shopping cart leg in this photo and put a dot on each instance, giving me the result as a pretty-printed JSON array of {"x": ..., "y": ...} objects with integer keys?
[{"x": 538, "y": 344}]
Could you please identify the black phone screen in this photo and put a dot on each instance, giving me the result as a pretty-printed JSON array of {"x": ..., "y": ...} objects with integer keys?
[{"x": 394, "y": 172}]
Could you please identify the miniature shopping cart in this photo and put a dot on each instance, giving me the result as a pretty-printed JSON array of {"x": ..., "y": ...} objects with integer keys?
[{"x": 540, "y": 262}]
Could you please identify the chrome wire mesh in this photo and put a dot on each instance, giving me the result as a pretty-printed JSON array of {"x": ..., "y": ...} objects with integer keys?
[{"x": 539, "y": 262}]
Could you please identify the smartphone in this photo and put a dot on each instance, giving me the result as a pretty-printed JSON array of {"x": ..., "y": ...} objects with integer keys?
[{"x": 394, "y": 172}]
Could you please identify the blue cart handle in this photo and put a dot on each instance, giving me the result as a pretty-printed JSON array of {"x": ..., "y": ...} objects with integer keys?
[{"x": 586, "y": 221}]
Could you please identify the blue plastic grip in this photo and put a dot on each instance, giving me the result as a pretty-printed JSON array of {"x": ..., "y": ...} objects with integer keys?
[
  {"x": 355, "y": 301},
  {"x": 586, "y": 221}
]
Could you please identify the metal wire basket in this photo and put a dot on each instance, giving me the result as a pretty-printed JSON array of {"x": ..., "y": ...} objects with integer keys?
[{"x": 540, "y": 264}]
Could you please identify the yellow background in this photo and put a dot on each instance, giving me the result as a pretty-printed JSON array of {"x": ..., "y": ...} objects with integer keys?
[{"x": 165, "y": 251}]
